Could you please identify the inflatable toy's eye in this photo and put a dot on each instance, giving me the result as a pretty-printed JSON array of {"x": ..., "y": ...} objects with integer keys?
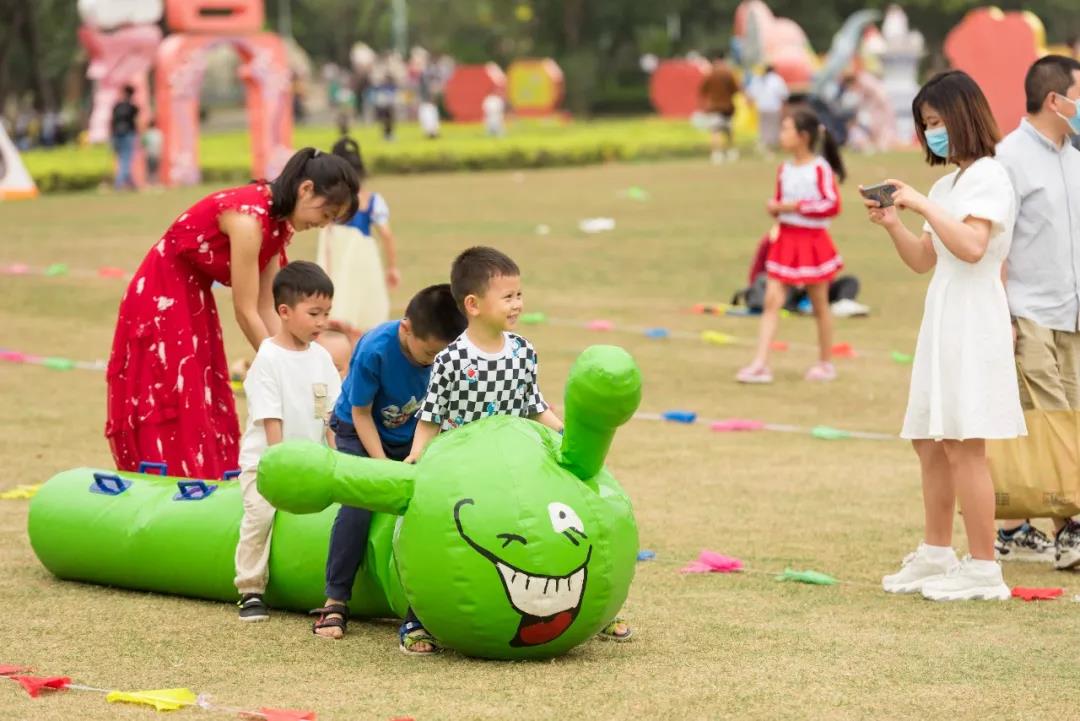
[{"x": 564, "y": 519}]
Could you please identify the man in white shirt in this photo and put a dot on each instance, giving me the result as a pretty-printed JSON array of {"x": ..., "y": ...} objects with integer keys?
[
  {"x": 1043, "y": 272},
  {"x": 769, "y": 93}
]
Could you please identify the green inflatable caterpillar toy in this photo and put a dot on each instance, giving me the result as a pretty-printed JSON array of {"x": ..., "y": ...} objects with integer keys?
[{"x": 507, "y": 540}]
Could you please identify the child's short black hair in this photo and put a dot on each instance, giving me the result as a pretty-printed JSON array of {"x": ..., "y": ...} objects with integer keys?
[
  {"x": 474, "y": 269},
  {"x": 298, "y": 280},
  {"x": 433, "y": 314}
]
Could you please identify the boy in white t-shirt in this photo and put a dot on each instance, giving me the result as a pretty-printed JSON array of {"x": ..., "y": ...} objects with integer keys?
[{"x": 291, "y": 389}]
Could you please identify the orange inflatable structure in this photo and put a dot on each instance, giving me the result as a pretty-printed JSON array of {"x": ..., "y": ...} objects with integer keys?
[
  {"x": 673, "y": 87},
  {"x": 200, "y": 26},
  {"x": 534, "y": 87},
  {"x": 996, "y": 49},
  {"x": 466, "y": 89}
]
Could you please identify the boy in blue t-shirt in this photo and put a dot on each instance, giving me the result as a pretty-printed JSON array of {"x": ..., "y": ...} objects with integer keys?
[{"x": 375, "y": 417}]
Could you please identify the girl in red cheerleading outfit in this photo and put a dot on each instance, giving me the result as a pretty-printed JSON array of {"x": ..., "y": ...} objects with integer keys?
[{"x": 801, "y": 252}]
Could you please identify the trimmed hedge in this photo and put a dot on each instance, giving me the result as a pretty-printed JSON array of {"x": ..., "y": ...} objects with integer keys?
[{"x": 225, "y": 156}]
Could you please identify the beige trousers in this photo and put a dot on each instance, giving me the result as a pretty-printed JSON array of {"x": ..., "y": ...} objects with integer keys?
[
  {"x": 1047, "y": 361},
  {"x": 253, "y": 550}
]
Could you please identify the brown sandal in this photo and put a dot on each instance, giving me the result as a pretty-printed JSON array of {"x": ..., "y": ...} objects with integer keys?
[{"x": 334, "y": 615}]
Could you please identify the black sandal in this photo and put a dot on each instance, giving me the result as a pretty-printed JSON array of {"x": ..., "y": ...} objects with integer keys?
[{"x": 334, "y": 615}]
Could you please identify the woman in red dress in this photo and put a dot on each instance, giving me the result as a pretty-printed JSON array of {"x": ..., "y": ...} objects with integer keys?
[{"x": 169, "y": 398}]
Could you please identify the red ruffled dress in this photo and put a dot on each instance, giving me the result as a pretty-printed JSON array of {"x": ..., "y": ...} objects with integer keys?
[
  {"x": 803, "y": 252},
  {"x": 169, "y": 398}
]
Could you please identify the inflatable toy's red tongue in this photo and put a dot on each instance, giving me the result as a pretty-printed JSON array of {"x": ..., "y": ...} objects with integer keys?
[{"x": 534, "y": 631}]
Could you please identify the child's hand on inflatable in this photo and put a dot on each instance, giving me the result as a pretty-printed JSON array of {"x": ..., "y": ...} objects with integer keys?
[
  {"x": 412, "y": 458},
  {"x": 393, "y": 277}
]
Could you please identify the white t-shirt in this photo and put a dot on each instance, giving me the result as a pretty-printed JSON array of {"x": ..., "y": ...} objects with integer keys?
[
  {"x": 299, "y": 387},
  {"x": 769, "y": 93},
  {"x": 493, "y": 107}
]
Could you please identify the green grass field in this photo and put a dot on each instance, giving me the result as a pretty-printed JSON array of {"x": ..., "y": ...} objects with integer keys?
[{"x": 737, "y": 646}]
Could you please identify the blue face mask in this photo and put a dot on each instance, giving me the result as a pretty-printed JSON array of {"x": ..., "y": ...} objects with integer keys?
[
  {"x": 1074, "y": 121},
  {"x": 938, "y": 142}
]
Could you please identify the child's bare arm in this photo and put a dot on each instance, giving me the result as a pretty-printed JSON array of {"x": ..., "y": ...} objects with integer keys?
[
  {"x": 549, "y": 419},
  {"x": 366, "y": 430},
  {"x": 425, "y": 432},
  {"x": 272, "y": 427}
]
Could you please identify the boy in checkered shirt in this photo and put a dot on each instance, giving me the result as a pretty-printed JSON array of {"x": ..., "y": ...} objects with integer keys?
[{"x": 488, "y": 370}]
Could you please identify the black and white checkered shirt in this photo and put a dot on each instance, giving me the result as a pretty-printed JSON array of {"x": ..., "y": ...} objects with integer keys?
[{"x": 468, "y": 384}]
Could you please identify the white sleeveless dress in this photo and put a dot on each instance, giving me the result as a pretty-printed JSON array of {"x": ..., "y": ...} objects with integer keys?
[{"x": 963, "y": 381}]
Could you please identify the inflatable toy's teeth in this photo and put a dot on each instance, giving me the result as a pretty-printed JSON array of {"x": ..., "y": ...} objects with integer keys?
[
  {"x": 547, "y": 604},
  {"x": 542, "y": 596}
]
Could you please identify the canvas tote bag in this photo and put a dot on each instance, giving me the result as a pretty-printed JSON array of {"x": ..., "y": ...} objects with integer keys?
[{"x": 1038, "y": 476}]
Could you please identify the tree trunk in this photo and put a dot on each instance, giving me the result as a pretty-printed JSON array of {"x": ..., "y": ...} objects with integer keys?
[
  {"x": 7, "y": 41},
  {"x": 42, "y": 93}
]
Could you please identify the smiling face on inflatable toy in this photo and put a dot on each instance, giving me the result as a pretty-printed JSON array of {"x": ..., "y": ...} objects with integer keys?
[{"x": 514, "y": 542}]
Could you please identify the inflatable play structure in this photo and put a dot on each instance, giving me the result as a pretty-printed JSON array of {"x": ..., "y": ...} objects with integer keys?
[
  {"x": 199, "y": 27},
  {"x": 531, "y": 86},
  {"x": 124, "y": 43},
  {"x": 468, "y": 86},
  {"x": 996, "y": 49},
  {"x": 508, "y": 540},
  {"x": 121, "y": 38},
  {"x": 848, "y": 74},
  {"x": 900, "y": 69},
  {"x": 534, "y": 87}
]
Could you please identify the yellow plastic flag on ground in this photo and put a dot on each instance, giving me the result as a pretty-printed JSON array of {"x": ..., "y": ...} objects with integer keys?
[
  {"x": 716, "y": 337},
  {"x": 165, "y": 699},
  {"x": 20, "y": 492}
]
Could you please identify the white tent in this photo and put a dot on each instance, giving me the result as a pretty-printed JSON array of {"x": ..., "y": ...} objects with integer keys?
[{"x": 15, "y": 181}]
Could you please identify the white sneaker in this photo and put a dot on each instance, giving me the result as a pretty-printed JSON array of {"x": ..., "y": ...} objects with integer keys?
[
  {"x": 917, "y": 568},
  {"x": 717, "y": 157},
  {"x": 847, "y": 308},
  {"x": 971, "y": 581}
]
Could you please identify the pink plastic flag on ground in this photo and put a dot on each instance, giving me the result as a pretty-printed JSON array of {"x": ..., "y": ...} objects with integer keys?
[
  {"x": 713, "y": 562},
  {"x": 729, "y": 425},
  {"x": 34, "y": 685},
  {"x": 282, "y": 714},
  {"x": 600, "y": 325}
]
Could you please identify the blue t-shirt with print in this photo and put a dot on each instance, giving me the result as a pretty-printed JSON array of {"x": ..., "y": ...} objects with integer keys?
[{"x": 382, "y": 377}]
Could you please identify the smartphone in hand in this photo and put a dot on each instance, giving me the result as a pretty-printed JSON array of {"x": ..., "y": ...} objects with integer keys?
[{"x": 882, "y": 193}]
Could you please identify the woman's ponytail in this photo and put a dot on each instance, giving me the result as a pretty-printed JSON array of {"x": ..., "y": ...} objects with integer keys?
[{"x": 332, "y": 177}]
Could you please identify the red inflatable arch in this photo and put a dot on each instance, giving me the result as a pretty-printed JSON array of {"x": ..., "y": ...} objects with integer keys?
[{"x": 264, "y": 71}]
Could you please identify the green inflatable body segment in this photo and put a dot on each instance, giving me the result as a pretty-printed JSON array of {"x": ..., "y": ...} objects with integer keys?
[
  {"x": 507, "y": 540},
  {"x": 142, "y": 538}
]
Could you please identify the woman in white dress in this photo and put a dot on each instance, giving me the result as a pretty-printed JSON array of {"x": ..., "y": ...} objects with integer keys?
[{"x": 963, "y": 382}]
